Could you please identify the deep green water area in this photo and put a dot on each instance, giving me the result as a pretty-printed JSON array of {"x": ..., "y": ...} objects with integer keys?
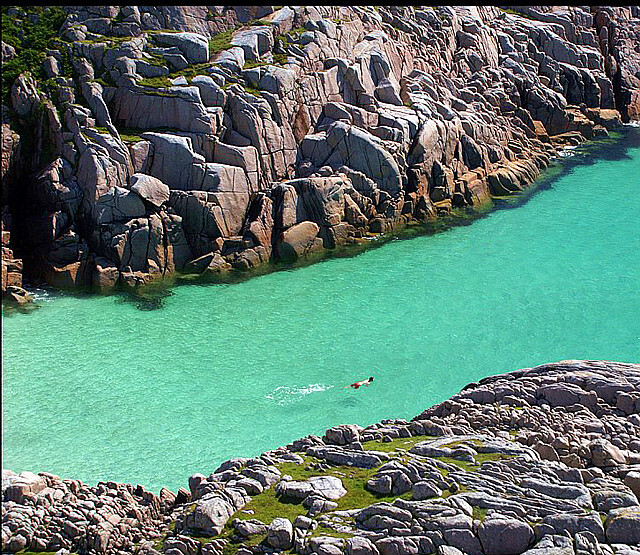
[{"x": 96, "y": 388}]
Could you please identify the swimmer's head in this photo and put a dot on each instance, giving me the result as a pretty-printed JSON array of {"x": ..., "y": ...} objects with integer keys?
[{"x": 371, "y": 379}]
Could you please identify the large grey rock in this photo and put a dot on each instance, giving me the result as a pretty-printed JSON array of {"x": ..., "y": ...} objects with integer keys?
[
  {"x": 280, "y": 534},
  {"x": 299, "y": 241},
  {"x": 552, "y": 545},
  {"x": 359, "y": 545},
  {"x": 574, "y": 524},
  {"x": 194, "y": 47},
  {"x": 254, "y": 42},
  {"x": 250, "y": 527},
  {"x": 118, "y": 205},
  {"x": 150, "y": 189},
  {"x": 632, "y": 480},
  {"x": 425, "y": 490},
  {"x": 214, "y": 510},
  {"x": 623, "y": 525},
  {"x": 16, "y": 486},
  {"x": 210, "y": 92},
  {"x": 502, "y": 535},
  {"x": 343, "y": 434},
  {"x": 348, "y": 145},
  {"x": 177, "y": 108},
  {"x": 578, "y": 493},
  {"x": 329, "y": 487},
  {"x": 349, "y": 457}
]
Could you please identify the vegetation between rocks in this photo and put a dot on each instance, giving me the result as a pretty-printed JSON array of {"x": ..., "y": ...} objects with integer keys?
[{"x": 31, "y": 30}]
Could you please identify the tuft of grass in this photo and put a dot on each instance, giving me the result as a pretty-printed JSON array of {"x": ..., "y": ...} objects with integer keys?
[
  {"x": 479, "y": 513},
  {"x": 251, "y": 90},
  {"x": 322, "y": 530},
  {"x": 130, "y": 138},
  {"x": 220, "y": 42},
  {"x": 280, "y": 59},
  {"x": 191, "y": 71},
  {"x": 400, "y": 442},
  {"x": 155, "y": 82},
  {"x": 290, "y": 36},
  {"x": 250, "y": 64}
]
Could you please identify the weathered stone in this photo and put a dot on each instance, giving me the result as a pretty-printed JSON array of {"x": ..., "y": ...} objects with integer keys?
[
  {"x": 623, "y": 525},
  {"x": 280, "y": 534},
  {"x": 150, "y": 189},
  {"x": 299, "y": 241},
  {"x": 502, "y": 535}
]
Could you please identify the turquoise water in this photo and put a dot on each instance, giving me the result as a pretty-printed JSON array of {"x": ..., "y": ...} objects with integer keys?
[{"x": 94, "y": 388}]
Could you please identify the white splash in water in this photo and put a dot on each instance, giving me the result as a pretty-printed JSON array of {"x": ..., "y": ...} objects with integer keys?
[
  {"x": 40, "y": 294},
  {"x": 567, "y": 151},
  {"x": 285, "y": 394}
]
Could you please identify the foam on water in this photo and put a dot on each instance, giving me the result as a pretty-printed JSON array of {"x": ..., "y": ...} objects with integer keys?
[
  {"x": 94, "y": 388},
  {"x": 285, "y": 394}
]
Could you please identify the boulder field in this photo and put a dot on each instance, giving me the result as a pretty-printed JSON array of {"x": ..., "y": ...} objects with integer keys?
[
  {"x": 540, "y": 461},
  {"x": 156, "y": 140}
]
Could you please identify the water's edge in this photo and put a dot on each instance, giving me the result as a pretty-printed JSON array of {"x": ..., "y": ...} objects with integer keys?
[{"x": 150, "y": 296}]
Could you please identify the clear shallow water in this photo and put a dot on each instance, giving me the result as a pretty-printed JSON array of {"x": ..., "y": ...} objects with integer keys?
[{"x": 94, "y": 388}]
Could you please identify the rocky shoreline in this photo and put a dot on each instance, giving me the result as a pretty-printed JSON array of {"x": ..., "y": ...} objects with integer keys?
[
  {"x": 151, "y": 142},
  {"x": 543, "y": 460}
]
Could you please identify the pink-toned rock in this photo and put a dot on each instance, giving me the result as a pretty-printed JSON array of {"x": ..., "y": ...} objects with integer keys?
[{"x": 299, "y": 241}]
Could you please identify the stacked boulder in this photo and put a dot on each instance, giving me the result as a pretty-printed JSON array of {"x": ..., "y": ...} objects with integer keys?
[{"x": 281, "y": 133}]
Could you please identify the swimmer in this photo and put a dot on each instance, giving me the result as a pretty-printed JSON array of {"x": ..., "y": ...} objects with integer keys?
[{"x": 356, "y": 385}]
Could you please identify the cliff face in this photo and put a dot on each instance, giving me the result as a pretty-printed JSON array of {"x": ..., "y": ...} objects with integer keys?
[
  {"x": 540, "y": 461},
  {"x": 199, "y": 139}
]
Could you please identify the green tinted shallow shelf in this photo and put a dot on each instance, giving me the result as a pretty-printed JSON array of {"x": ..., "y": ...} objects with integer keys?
[{"x": 94, "y": 388}]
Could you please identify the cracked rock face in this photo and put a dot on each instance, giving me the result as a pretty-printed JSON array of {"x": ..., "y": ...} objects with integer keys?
[
  {"x": 351, "y": 120},
  {"x": 466, "y": 476}
]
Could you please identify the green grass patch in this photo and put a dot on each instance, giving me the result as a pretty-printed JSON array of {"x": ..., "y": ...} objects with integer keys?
[
  {"x": 280, "y": 59},
  {"x": 102, "y": 81},
  {"x": 250, "y": 64},
  {"x": 155, "y": 82},
  {"x": 458, "y": 443},
  {"x": 130, "y": 138},
  {"x": 155, "y": 60},
  {"x": 220, "y": 42},
  {"x": 479, "y": 513},
  {"x": 389, "y": 446},
  {"x": 322, "y": 530},
  {"x": 251, "y": 90},
  {"x": 291, "y": 36},
  {"x": 157, "y": 31},
  {"x": 191, "y": 71},
  {"x": 30, "y": 41}
]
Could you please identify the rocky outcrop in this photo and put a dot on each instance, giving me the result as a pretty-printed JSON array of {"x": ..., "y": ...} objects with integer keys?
[
  {"x": 538, "y": 461},
  {"x": 265, "y": 124}
]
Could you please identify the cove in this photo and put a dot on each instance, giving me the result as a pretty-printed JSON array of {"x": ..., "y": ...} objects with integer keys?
[{"x": 96, "y": 389}]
